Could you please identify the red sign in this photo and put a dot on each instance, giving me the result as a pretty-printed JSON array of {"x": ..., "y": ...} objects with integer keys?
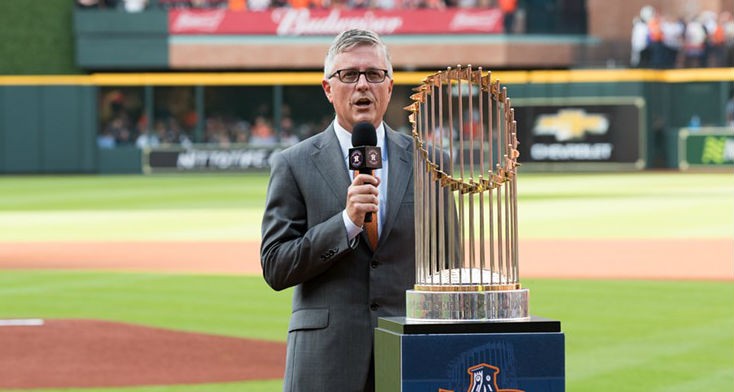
[{"x": 289, "y": 21}]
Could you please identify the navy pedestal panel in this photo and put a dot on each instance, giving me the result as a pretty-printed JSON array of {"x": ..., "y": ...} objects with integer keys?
[{"x": 419, "y": 356}]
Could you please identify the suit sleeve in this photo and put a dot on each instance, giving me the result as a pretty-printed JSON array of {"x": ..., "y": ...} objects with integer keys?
[{"x": 291, "y": 252}]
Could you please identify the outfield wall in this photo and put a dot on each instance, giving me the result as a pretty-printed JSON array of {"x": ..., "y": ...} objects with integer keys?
[{"x": 49, "y": 124}]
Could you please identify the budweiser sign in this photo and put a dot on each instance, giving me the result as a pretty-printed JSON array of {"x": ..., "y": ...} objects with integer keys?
[
  {"x": 301, "y": 22},
  {"x": 199, "y": 21},
  {"x": 475, "y": 21},
  {"x": 295, "y": 22}
]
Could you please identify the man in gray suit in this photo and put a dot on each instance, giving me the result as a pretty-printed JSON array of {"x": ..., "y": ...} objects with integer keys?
[{"x": 312, "y": 229}]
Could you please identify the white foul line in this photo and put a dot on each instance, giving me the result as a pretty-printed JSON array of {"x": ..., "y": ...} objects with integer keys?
[{"x": 21, "y": 322}]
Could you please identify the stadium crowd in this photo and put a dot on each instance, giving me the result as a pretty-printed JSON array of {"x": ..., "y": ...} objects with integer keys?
[
  {"x": 123, "y": 123},
  {"x": 659, "y": 40}
]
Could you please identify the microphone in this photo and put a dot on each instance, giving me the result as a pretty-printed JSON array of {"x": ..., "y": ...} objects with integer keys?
[{"x": 365, "y": 156}]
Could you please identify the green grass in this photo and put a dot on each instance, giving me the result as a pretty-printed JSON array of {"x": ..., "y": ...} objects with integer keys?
[
  {"x": 627, "y": 205},
  {"x": 132, "y": 208},
  {"x": 126, "y": 192},
  {"x": 226, "y": 305},
  {"x": 229, "y": 207},
  {"x": 642, "y": 335},
  {"x": 657, "y": 336}
]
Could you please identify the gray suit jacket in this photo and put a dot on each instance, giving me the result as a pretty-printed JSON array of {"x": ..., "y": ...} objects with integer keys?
[{"x": 340, "y": 290}]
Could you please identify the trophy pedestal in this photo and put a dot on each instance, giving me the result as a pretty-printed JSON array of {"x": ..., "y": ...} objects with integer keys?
[{"x": 453, "y": 356}]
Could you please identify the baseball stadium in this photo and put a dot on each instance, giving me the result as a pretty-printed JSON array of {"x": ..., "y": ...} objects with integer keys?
[{"x": 136, "y": 141}]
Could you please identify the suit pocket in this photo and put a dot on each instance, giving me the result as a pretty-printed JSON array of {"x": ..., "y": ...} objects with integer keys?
[{"x": 305, "y": 319}]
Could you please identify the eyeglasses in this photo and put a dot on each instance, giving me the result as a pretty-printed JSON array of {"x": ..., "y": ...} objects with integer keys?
[{"x": 352, "y": 75}]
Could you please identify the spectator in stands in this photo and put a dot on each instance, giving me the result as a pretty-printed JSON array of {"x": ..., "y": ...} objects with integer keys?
[
  {"x": 640, "y": 54},
  {"x": 287, "y": 135},
  {"x": 135, "y": 5},
  {"x": 655, "y": 40},
  {"x": 641, "y": 39},
  {"x": 672, "y": 40},
  {"x": 261, "y": 133},
  {"x": 385, "y": 4},
  {"x": 305, "y": 4},
  {"x": 97, "y": 3},
  {"x": 237, "y": 5},
  {"x": 209, "y": 3},
  {"x": 115, "y": 118},
  {"x": 216, "y": 132},
  {"x": 241, "y": 132},
  {"x": 727, "y": 22},
  {"x": 175, "y": 134},
  {"x": 730, "y": 109},
  {"x": 358, "y": 4},
  {"x": 147, "y": 139},
  {"x": 436, "y": 4},
  {"x": 160, "y": 130},
  {"x": 716, "y": 39},
  {"x": 106, "y": 140},
  {"x": 87, "y": 3},
  {"x": 258, "y": 5},
  {"x": 694, "y": 52},
  {"x": 509, "y": 8},
  {"x": 119, "y": 128}
]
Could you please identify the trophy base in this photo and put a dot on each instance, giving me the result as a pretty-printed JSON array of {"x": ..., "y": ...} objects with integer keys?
[{"x": 468, "y": 305}]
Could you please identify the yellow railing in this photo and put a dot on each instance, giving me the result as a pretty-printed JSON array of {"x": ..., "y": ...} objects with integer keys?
[{"x": 402, "y": 78}]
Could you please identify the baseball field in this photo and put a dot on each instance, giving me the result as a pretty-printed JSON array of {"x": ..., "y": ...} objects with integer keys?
[{"x": 152, "y": 283}]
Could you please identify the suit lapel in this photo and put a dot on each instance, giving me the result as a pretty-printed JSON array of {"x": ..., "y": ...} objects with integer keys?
[
  {"x": 400, "y": 155},
  {"x": 328, "y": 159}
]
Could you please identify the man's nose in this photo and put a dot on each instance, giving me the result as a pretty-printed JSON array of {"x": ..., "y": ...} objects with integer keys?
[{"x": 362, "y": 82}]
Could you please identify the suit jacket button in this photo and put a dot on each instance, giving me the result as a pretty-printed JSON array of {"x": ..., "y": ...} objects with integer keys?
[
  {"x": 374, "y": 306},
  {"x": 374, "y": 264}
]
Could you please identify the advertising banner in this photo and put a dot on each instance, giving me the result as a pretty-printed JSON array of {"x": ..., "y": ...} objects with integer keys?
[
  {"x": 207, "y": 158},
  {"x": 710, "y": 148},
  {"x": 297, "y": 22},
  {"x": 583, "y": 131}
]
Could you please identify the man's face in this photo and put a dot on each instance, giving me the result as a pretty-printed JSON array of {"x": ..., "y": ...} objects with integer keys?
[{"x": 360, "y": 101}]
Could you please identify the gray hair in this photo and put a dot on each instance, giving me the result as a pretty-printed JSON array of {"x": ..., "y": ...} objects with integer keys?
[{"x": 351, "y": 39}]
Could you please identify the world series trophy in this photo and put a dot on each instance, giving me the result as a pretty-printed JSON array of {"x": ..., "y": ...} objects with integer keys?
[
  {"x": 465, "y": 170},
  {"x": 467, "y": 325}
]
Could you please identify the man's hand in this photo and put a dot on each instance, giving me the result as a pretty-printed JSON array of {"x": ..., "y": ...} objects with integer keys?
[{"x": 362, "y": 197}]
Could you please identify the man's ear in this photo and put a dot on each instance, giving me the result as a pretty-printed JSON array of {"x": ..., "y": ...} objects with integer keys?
[{"x": 327, "y": 90}]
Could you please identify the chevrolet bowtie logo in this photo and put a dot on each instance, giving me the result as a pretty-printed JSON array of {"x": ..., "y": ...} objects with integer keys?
[{"x": 570, "y": 124}]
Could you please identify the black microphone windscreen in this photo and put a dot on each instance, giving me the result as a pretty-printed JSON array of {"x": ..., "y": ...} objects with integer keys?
[{"x": 364, "y": 134}]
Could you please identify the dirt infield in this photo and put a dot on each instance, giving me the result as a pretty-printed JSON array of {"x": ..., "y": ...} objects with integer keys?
[
  {"x": 699, "y": 259},
  {"x": 89, "y": 353},
  {"x": 85, "y": 353}
]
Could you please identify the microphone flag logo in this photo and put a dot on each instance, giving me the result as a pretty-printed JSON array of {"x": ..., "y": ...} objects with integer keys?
[
  {"x": 373, "y": 158},
  {"x": 356, "y": 158}
]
